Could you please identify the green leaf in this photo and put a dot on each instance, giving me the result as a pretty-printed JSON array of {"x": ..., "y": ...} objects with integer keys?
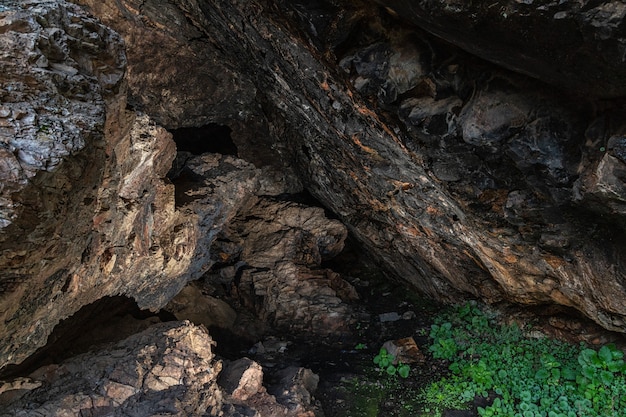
[
  {"x": 606, "y": 377},
  {"x": 585, "y": 356},
  {"x": 391, "y": 370},
  {"x": 542, "y": 374},
  {"x": 403, "y": 370},
  {"x": 617, "y": 354},
  {"x": 569, "y": 374},
  {"x": 605, "y": 354},
  {"x": 588, "y": 371},
  {"x": 616, "y": 365}
]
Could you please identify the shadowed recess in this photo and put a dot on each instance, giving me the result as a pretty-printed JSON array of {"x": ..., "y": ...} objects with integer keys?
[
  {"x": 212, "y": 138},
  {"x": 107, "y": 320}
]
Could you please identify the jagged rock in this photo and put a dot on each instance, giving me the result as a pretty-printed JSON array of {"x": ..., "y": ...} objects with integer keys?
[
  {"x": 241, "y": 379},
  {"x": 89, "y": 213},
  {"x": 460, "y": 199},
  {"x": 276, "y": 249},
  {"x": 295, "y": 389},
  {"x": 291, "y": 395},
  {"x": 169, "y": 369},
  {"x": 183, "y": 95},
  {"x": 575, "y": 45},
  {"x": 404, "y": 350}
]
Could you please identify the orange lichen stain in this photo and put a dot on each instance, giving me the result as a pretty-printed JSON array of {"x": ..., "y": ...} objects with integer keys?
[
  {"x": 367, "y": 112},
  {"x": 378, "y": 206},
  {"x": 408, "y": 230},
  {"x": 355, "y": 139},
  {"x": 496, "y": 198},
  {"x": 509, "y": 257},
  {"x": 560, "y": 298},
  {"x": 433, "y": 211},
  {"x": 554, "y": 261},
  {"x": 354, "y": 176},
  {"x": 403, "y": 186},
  {"x": 476, "y": 260}
]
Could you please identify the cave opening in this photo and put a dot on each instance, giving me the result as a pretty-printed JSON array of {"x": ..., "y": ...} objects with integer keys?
[
  {"x": 212, "y": 137},
  {"x": 107, "y": 320}
]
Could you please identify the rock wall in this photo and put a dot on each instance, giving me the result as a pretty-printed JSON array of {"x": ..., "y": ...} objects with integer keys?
[
  {"x": 576, "y": 45},
  {"x": 462, "y": 178},
  {"x": 86, "y": 209}
]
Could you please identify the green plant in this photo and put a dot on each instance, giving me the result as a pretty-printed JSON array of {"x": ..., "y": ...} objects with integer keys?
[
  {"x": 385, "y": 362},
  {"x": 524, "y": 377}
]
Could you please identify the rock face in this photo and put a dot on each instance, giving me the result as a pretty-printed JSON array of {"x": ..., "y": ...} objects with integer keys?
[
  {"x": 462, "y": 179},
  {"x": 168, "y": 369},
  {"x": 86, "y": 209},
  {"x": 576, "y": 45},
  {"x": 271, "y": 256}
]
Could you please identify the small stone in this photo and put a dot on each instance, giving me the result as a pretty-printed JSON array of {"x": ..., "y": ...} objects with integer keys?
[
  {"x": 242, "y": 378},
  {"x": 404, "y": 350},
  {"x": 408, "y": 315},
  {"x": 388, "y": 317}
]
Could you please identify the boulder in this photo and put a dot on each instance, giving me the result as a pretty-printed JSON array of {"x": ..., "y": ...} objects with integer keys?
[
  {"x": 168, "y": 369},
  {"x": 86, "y": 208}
]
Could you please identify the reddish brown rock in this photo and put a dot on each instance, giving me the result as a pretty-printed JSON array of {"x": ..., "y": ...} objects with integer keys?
[{"x": 464, "y": 180}]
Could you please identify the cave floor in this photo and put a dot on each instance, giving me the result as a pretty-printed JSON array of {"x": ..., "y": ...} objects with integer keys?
[{"x": 350, "y": 384}]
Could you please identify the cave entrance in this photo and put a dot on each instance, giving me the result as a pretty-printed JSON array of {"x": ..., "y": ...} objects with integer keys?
[{"x": 213, "y": 138}]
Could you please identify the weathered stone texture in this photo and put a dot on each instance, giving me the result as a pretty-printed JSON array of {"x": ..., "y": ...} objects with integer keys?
[
  {"x": 87, "y": 209},
  {"x": 167, "y": 370},
  {"x": 485, "y": 187},
  {"x": 272, "y": 254}
]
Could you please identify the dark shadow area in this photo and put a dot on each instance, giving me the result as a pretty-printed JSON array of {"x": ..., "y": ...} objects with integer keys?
[
  {"x": 107, "y": 320},
  {"x": 213, "y": 138}
]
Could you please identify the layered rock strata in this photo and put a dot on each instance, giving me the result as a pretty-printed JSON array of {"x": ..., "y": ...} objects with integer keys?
[{"x": 490, "y": 186}]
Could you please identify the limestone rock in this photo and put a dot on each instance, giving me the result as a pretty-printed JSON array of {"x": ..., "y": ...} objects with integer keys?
[{"x": 168, "y": 369}]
